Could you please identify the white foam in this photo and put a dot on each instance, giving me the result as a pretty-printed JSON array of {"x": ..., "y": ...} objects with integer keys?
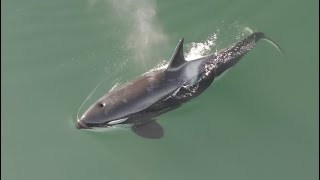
[
  {"x": 195, "y": 51},
  {"x": 198, "y": 50}
]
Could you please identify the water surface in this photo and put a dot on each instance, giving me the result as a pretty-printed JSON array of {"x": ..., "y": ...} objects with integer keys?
[{"x": 260, "y": 121}]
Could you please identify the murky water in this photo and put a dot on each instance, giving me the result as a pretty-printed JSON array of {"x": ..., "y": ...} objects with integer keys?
[{"x": 259, "y": 121}]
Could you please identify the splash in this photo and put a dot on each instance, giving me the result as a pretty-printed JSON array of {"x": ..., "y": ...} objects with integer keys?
[
  {"x": 198, "y": 50},
  {"x": 194, "y": 51}
]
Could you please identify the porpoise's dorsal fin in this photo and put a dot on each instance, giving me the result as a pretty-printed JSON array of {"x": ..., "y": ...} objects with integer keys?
[{"x": 177, "y": 58}]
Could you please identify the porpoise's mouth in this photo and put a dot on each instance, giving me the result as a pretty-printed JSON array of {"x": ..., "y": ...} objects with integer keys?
[{"x": 81, "y": 125}]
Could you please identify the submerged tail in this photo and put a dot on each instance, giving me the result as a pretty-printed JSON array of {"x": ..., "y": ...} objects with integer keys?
[
  {"x": 262, "y": 36},
  {"x": 230, "y": 56}
]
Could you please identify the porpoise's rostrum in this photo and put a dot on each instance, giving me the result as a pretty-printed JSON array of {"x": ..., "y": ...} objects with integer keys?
[{"x": 139, "y": 101}]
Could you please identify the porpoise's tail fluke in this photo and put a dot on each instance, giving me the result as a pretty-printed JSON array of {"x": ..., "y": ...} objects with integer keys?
[
  {"x": 262, "y": 36},
  {"x": 230, "y": 56}
]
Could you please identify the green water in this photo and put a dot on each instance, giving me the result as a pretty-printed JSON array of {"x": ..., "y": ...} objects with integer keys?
[{"x": 258, "y": 122}]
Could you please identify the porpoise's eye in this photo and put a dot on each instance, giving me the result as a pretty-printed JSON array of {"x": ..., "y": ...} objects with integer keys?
[{"x": 101, "y": 105}]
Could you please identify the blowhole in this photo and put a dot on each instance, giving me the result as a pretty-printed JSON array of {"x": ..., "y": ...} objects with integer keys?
[{"x": 101, "y": 105}]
